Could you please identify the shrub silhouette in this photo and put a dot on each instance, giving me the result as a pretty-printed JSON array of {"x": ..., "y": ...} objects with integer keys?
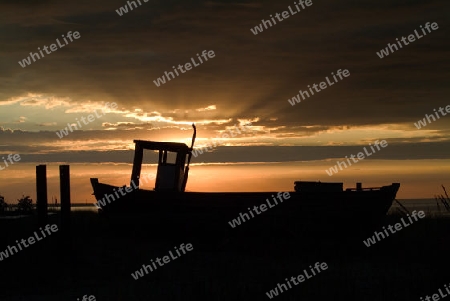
[
  {"x": 3, "y": 204},
  {"x": 25, "y": 205},
  {"x": 444, "y": 199}
]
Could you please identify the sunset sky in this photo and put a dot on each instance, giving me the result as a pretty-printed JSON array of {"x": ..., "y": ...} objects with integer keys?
[{"x": 250, "y": 79}]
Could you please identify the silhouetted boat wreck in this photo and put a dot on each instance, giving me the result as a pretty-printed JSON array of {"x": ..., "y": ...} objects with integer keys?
[{"x": 313, "y": 205}]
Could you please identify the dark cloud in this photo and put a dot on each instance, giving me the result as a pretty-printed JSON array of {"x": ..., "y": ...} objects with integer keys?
[
  {"x": 118, "y": 57},
  {"x": 265, "y": 154}
]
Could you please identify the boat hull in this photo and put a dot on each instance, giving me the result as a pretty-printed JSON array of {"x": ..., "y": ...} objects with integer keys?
[{"x": 311, "y": 211}]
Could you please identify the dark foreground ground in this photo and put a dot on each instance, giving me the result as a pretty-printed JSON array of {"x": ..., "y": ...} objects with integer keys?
[{"x": 99, "y": 261}]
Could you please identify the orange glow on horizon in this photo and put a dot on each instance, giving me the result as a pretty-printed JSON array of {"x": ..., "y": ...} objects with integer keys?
[{"x": 418, "y": 178}]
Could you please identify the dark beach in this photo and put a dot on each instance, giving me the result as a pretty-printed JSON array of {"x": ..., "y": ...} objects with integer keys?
[{"x": 101, "y": 256}]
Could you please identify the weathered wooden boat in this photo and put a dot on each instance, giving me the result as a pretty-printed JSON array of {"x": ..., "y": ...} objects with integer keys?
[{"x": 314, "y": 205}]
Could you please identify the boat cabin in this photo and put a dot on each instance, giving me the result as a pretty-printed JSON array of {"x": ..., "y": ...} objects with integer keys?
[{"x": 170, "y": 176}]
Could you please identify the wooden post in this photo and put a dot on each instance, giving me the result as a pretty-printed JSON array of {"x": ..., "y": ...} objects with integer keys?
[
  {"x": 64, "y": 177},
  {"x": 41, "y": 194}
]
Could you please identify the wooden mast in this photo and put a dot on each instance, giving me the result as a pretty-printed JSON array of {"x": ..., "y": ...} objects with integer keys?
[{"x": 186, "y": 171}]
